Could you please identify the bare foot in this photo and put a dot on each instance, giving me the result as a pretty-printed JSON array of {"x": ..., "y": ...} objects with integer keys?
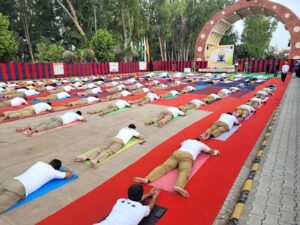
[
  {"x": 181, "y": 191},
  {"x": 80, "y": 159},
  {"x": 140, "y": 180},
  {"x": 28, "y": 132},
  {"x": 148, "y": 123},
  {"x": 21, "y": 129},
  {"x": 160, "y": 124},
  {"x": 94, "y": 164}
]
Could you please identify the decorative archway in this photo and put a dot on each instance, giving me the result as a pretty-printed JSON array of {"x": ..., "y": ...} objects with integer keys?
[{"x": 215, "y": 28}]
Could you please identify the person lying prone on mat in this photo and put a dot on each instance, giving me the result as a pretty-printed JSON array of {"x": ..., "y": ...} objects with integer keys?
[
  {"x": 244, "y": 111},
  {"x": 261, "y": 94},
  {"x": 174, "y": 84},
  {"x": 140, "y": 91},
  {"x": 224, "y": 92},
  {"x": 234, "y": 89},
  {"x": 165, "y": 116},
  {"x": 222, "y": 125},
  {"x": 92, "y": 91},
  {"x": 57, "y": 96},
  {"x": 255, "y": 102},
  {"x": 28, "y": 111},
  {"x": 187, "y": 89},
  {"x": 14, "y": 102},
  {"x": 150, "y": 97},
  {"x": 53, "y": 122},
  {"x": 120, "y": 94},
  {"x": 119, "y": 87},
  {"x": 268, "y": 90},
  {"x": 182, "y": 159},
  {"x": 116, "y": 143},
  {"x": 84, "y": 101},
  {"x": 159, "y": 86},
  {"x": 195, "y": 103},
  {"x": 18, "y": 188},
  {"x": 135, "y": 86},
  {"x": 211, "y": 98},
  {"x": 131, "y": 211},
  {"x": 66, "y": 88},
  {"x": 170, "y": 94},
  {"x": 120, "y": 104}
]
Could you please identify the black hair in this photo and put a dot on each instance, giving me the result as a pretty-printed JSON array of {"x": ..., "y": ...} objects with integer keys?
[
  {"x": 132, "y": 126},
  {"x": 49, "y": 103},
  {"x": 197, "y": 139},
  {"x": 55, "y": 163},
  {"x": 229, "y": 113},
  {"x": 79, "y": 113},
  {"x": 25, "y": 98},
  {"x": 135, "y": 192}
]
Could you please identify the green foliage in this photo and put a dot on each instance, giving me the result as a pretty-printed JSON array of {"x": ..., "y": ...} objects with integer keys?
[
  {"x": 8, "y": 44},
  {"x": 247, "y": 51},
  {"x": 102, "y": 43},
  {"x": 47, "y": 52},
  {"x": 231, "y": 37},
  {"x": 69, "y": 57}
]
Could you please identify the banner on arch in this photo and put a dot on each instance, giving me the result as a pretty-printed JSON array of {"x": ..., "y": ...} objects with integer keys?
[{"x": 220, "y": 56}]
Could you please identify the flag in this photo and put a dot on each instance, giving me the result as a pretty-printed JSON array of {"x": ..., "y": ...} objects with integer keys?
[{"x": 147, "y": 57}]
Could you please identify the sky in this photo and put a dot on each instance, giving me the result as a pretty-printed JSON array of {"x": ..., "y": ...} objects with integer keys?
[{"x": 280, "y": 36}]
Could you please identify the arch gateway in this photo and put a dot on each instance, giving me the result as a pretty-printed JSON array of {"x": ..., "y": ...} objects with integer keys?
[{"x": 215, "y": 28}]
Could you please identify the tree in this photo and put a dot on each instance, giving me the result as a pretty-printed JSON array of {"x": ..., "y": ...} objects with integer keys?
[
  {"x": 47, "y": 52},
  {"x": 102, "y": 43},
  {"x": 8, "y": 45}
]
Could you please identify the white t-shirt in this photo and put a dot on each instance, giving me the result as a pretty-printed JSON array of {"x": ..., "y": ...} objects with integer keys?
[
  {"x": 70, "y": 117},
  {"x": 191, "y": 88},
  {"x": 2, "y": 89},
  {"x": 31, "y": 92},
  {"x": 91, "y": 85},
  {"x": 62, "y": 95},
  {"x": 121, "y": 104},
  {"x": 193, "y": 147},
  {"x": 248, "y": 107},
  {"x": 152, "y": 96},
  {"x": 285, "y": 68},
  {"x": 29, "y": 82},
  {"x": 256, "y": 100},
  {"x": 92, "y": 99},
  {"x": 175, "y": 111},
  {"x": 262, "y": 93},
  {"x": 234, "y": 89},
  {"x": 130, "y": 81},
  {"x": 228, "y": 119},
  {"x": 120, "y": 87},
  {"x": 68, "y": 88},
  {"x": 96, "y": 90},
  {"x": 21, "y": 90},
  {"x": 17, "y": 101},
  {"x": 2, "y": 84},
  {"x": 126, "y": 212},
  {"x": 125, "y": 93},
  {"x": 146, "y": 90},
  {"x": 155, "y": 82},
  {"x": 41, "y": 107},
  {"x": 226, "y": 91},
  {"x": 38, "y": 175},
  {"x": 163, "y": 86},
  {"x": 139, "y": 85},
  {"x": 174, "y": 93},
  {"x": 49, "y": 88},
  {"x": 126, "y": 134},
  {"x": 197, "y": 102},
  {"x": 215, "y": 96},
  {"x": 77, "y": 84},
  {"x": 114, "y": 83}
]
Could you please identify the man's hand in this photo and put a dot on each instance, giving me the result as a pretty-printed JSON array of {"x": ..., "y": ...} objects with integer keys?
[{"x": 215, "y": 152}]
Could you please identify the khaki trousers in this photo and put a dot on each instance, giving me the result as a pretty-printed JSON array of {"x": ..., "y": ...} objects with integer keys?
[
  {"x": 242, "y": 112},
  {"x": 5, "y": 104},
  {"x": 79, "y": 102},
  {"x": 104, "y": 152},
  {"x": 218, "y": 128},
  {"x": 182, "y": 160},
  {"x": 141, "y": 100},
  {"x": 11, "y": 192},
  {"x": 110, "y": 108},
  {"x": 27, "y": 111},
  {"x": 52, "y": 123},
  {"x": 188, "y": 106},
  {"x": 164, "y": 117},
  {"x": 254, "y": 104},
  {"x": 209, "y": 99}
]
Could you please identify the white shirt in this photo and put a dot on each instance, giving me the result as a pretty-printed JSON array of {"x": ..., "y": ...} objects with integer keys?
[
  {"x": 191, "y": 88},
  {"x": 17, "y": 101},
  {"x": 248, "y": 107},
  {"x": 139, "y": 85},
  {"x": 256, "y": 100},
  {"x": 234, "y": 89},
  {"x": 175, "y": 111},
  {"x": 215, "y": 96},
  {"x": 267, "y": 89},
  {"x": 228, "y": 119},
  {"x": 126, "y": 212},
  {"x": 92, "y": 99},
  {"x": 96, "y": 90},
  {"x": 163, "y": 86},
  {"x": 226, "y": 91},
  {"x": 125, "y": 93},
  {"x": 152, "y": 96},
  {"x": 41, "y": 107},
  {"x": 2, "y": 89},
  {"x": 31, "y": 92},
  {"x": 2, "y": 84},
  {"x": 68, "y": 88},
  {"x": 146, "y": 89},
  {"x": 40, "y": 82},
  {"x": 121, "y": 104},
  {"x": 120, "y": 87},
  {"x": 29, "y": 82},
  {"x": 130, "y": 81},
  {"x": 91, "y": 85},
  {"x": 114, "y": 83},
  {"x": 193, "y": 147},
  {"x": 62, "y": 95},
  {"x": 70, "y": 117},
  {"x": 178, "y": 82},
  {"x": 21, "y": 90},
  {"x": 262, "y": 93},
  {"x": 174, "y": 93},
  {"x": 49, "y": 88},
  {"x": 38, "y": 175},
  {"x": 155, "y": 82},
  {"x": 285, "y": 68},
  {"x": 126, "y": 134},
  {"x": 197, "y": 102}
]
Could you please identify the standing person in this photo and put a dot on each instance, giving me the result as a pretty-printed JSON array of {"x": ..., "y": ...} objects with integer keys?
[
  {"x": 276, "y": 70},
  {"x": 284, "y": 71},
  {"x": 268, "y": 68},
  {"x": 298, "y": 68},
  {"x": 16, "y": 189}
]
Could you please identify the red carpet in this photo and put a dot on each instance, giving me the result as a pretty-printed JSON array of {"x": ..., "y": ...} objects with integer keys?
[{"x": 208, "y": 188}]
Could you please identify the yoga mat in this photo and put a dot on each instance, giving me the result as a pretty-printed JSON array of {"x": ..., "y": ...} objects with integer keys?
[
  {"x": 50, "y": 186},
  {"x": 38, "y": 101},
  {"x": 119, "y": 110},
  {"x": 240, "y": 93},
  {"x": 167, "y": 181},
  {"x": 132, "y": 142},
  {"x": 208, "y": 90},
  {"x": 226, "y": 135},
  {"x": 203, "y": 86}
]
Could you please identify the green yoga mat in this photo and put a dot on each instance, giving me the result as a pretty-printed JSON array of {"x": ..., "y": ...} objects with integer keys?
[{"x": 132, "y": 142}]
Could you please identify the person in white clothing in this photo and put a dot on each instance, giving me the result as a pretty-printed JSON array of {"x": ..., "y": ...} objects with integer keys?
[
  {"x": 119, "y": 87},
  {"x": 159, "y": 86},
  {"x": 117, "y": 142},
  {"x": 170, "y": 94},
  {"x": 66, "y": 88},
  {"x": 120, "y": 104},
  {"x": 14, "y": 102},
  {"x": 135, "y": 86},
  {"x": 256, "y": 102},
  {"x": 284, "y": 71},
  {"x": 131, "y": 211},
  {"x": 187, "y": 89},
  {"x": 57, "y": 96},
  {"x": 195, "y": 103},
  {"x": 182, "y": 159},
  {"x": 92, "y": 91},
  {"x": 223, "y": 124},
  {"x": 117, "y": 95},
  {"x": 140, "y": 91},
  {"x": 268, "y": 90},
  {"x": 224, "y": 92},
  {"x": 211, "y": 98},
  {"x": 18, "y": 188},
  {"x": 165, "y": 116},
  {"x": 234, "y": 89},
  {"x": 28, "y": 111},
  {"x": 261, "y": 94},
  {"x": 244, "y": 111},
  {"x": 83, "y": 101},
  {"x": 174, "y": 84},
  {"x": 57, "y": 121},
  {"x": 150, "y": 97}
]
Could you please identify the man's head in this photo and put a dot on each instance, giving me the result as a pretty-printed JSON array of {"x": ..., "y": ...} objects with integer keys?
[
  {"x": 49, "y": 103},
  {"x": 25, "y": 98},
  {"x": 132, "y": 126},
  {"x": 79, "y": 113},
  {"x": 197, "y": 139},
  {"x": 229, "y": 113},
  {"x": 55, "y": 163},
  {"x": 135, "y": 192}
]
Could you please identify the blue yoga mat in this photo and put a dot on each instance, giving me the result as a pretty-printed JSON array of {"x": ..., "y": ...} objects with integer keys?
[
  {"x": 203, "y": 86},
  {"x": 50, "y": 186},
  {"x": 38, "y": 101}
]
